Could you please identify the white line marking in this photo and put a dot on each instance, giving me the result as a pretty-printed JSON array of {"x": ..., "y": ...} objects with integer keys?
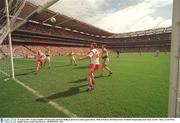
[
  {"x": 51, "y": 103},
  {"x": 4, "y": 73}
]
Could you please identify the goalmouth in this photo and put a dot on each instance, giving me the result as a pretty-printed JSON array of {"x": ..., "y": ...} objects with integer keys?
[{"x": 9, "y": 23}]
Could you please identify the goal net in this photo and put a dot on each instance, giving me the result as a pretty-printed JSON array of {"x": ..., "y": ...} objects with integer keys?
[
  {"x": 9, "y": 12},
  {"x": 13, "y": 16}
]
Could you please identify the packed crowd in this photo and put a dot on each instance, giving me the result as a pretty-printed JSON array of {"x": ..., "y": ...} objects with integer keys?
[
  {"x": 31, "y": 50},
  {"x": 54, "y": 30}
]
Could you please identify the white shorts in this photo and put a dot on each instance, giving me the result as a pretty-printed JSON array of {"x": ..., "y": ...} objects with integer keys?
[
  {"x": 48, "y": 58},
  {"x": 106, "y": 61}
]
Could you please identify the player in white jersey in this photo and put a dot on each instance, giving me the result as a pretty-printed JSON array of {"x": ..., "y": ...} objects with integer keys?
[
  {"x": 157, "y": 53},
  {"x": 48, "y": 57},
  {"x": 93, "y": 55},
  {"x": 40, "y": 60}
]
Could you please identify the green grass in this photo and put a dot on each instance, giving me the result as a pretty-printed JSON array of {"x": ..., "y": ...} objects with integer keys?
[{"x": 138, "y": 87}]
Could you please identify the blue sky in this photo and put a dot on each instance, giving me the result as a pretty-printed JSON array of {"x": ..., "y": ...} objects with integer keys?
[{"x": 118, "y": 16}]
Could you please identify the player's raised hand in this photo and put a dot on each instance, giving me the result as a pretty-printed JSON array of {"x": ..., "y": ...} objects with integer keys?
[{"x": 80, "y": 58}]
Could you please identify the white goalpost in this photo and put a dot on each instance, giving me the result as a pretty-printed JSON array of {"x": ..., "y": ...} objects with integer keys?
[
  {"x": 174, "y": 88},
  {"x": 8, "y": 17},
  {"x": 9, "y": 37}
]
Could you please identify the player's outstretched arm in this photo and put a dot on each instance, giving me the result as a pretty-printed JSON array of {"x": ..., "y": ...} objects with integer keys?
[{"x": 86, "y": 57}]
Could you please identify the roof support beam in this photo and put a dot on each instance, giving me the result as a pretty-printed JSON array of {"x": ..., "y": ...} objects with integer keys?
[
  {"x": 35, "y": 12},
  {"x": 65, "y": 21},
  {"x": 72, "y": 25}
]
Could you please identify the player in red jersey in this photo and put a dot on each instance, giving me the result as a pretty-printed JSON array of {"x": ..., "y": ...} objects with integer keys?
[
  {"x": 40, "y": 60},
  {"x": 93, "y": 55}
]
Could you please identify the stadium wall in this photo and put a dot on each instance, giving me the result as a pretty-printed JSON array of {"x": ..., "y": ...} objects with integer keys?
[{"x": 37, "y": 34}]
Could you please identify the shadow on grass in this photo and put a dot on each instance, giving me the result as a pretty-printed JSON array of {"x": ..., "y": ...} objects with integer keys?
[
  {"x": 84, "y": 79},
  {"x": 70, "y": 92},
  {"x": 27, "y": 73},
  {"x": 54, "y": 66},
  {"x": 78, "y": 81},
  {"x": 81, "y": 67}
]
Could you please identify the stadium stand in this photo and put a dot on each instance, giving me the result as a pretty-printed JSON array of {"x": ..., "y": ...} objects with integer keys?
[
  {"x": 31, "y": 50},
  {"x": 68, "y": 34},
  {"x": 144, "y": 41}
]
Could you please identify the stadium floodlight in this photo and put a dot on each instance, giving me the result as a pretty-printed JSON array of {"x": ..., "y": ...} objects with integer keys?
[{"x": 174, "y": 92}]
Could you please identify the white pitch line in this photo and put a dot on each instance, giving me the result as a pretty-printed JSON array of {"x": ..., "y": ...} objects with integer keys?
[
  {"x": 51, "y": 103},
  {"x": 4, "y": 73}
]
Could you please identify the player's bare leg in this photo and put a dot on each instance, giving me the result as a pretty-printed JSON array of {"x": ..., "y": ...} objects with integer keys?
[
  {"x": 71, "y": 62},
  {"x": 109, "y": 70},
  {"x": 102, "y": 70},
  {"x": 90, "y": 80},
  {"x": 49, "y": 63},
  {"x": 74, "y": 61},
  {"x": 104, "y": 67},
  {"x": 38, "y": 66},
  {"x": 90, "y": 86}
]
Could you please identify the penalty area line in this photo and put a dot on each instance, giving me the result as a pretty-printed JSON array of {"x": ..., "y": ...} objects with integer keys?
[{"x": 51, "y": 103}]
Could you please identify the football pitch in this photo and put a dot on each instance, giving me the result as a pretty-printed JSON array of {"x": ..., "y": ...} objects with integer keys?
[{"x": 138, "y": 87}]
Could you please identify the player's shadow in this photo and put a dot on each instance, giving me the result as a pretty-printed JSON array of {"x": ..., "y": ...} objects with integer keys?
[
  {"x": 60, "y": 65},
  {"x": 84, "y": 79},
  {"x": 70, "y": 92},
  {"x": 26, "y": 73},
  {"x": 29, "y": 69},
  {"x": 81, "y": 67},
  {"x": 78, "y": 81}
]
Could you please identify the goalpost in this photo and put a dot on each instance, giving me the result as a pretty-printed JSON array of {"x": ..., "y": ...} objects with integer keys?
[
  {"x": 9, "y": 37},
  {"x": 8, "y": 23},
  {"x": 174, "y": 88},
  {"x": 8, "y": 16}
]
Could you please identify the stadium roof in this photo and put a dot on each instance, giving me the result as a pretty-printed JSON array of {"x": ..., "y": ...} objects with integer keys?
[
  {"x": 143, "y": 32},
  {"x": 68, "y": 23},
  {"x": 61, "y": 20}
]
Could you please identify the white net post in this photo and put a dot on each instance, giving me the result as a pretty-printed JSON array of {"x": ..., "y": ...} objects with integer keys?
[
  {"x": 9, "y": 37},
  {"x": 10, "y": 20}
]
